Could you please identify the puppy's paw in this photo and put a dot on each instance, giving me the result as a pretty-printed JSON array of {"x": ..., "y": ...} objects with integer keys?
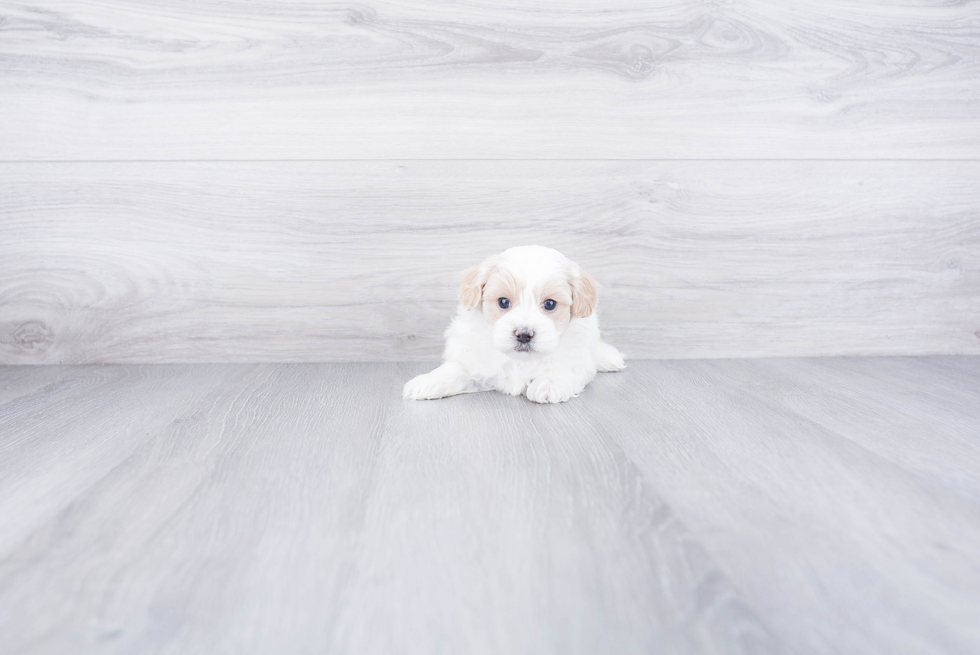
[
  {"x": 427, "y": 386},
  {"x": 445, "y": 381},
  {"x": 544, "y": 390},
  {"x": 608, "y": 359},
  {"x": 513, "y": 387}
]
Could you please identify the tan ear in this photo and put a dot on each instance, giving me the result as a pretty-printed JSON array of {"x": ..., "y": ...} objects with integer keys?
[
  {"x": 585, "y": 295},
  {"x": 473, "y": 280},
  {"x": 471, "y": 288}
]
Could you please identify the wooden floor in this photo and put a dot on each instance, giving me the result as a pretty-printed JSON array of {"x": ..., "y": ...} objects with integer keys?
[{"x": 781, "y": 505}]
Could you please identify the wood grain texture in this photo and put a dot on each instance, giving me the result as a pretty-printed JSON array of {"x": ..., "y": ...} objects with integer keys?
[
  {"x": 359, "y": 261},
  {"x": 732, "y": 506},
  {"x": 164, "y": 79},
  {"x": 42, "y": 426},
  {"x": 21, "y": 381},
  {"x": 820, "y": 477}
]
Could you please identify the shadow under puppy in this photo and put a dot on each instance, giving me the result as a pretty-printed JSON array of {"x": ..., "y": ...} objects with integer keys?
[{"x": 525, "y": 324}]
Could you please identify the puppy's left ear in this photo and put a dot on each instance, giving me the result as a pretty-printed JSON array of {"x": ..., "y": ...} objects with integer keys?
[{"x": 585, "y": 295}]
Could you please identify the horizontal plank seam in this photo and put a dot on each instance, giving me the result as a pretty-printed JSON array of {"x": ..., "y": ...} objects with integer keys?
[{"x": 478, "y": 159}]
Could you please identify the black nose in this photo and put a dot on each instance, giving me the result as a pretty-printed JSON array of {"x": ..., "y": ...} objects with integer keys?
[{"x": 524, "y": 335}]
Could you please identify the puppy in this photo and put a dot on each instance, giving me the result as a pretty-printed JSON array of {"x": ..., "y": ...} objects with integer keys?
[{"x": 525, "y": 324}]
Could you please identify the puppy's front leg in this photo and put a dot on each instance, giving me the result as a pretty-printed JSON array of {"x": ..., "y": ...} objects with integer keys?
[
  {"x": 554, "y": 387},
  {"x": 558, "y": 384},
  {"x": 447, "y": 380}
]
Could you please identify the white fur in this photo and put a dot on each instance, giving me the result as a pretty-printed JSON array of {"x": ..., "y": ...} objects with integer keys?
[{"x": 481, "y": 357}]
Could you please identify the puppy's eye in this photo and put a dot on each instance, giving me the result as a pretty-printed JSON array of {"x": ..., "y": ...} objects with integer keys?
[
  {"x": 550, "y": 304},
  {"x": 503, "y": 303}
]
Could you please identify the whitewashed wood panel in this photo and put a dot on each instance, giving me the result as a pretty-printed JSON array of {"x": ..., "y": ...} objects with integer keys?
[
  {"x": 358, "y": 261},
  {"x": 182, "y": 79}
]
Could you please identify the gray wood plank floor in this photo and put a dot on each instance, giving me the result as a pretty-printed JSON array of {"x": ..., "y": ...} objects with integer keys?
[{"x": 724, "y": 506}]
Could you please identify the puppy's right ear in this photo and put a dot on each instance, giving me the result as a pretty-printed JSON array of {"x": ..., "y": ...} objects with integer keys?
[{"x": 471, "y": 288}]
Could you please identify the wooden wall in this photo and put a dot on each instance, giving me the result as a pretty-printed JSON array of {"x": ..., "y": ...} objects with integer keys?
[{"x": 294, "y": 181}]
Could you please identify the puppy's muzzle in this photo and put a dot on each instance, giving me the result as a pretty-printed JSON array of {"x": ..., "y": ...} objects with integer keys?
[{"x": 524, "y": 335}]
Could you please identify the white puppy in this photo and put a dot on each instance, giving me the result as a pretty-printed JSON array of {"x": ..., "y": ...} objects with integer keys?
[{"x": 525, "y": 324}]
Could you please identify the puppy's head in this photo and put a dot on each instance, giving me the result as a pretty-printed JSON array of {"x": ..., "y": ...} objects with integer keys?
[{"x": 528, "y": 295}]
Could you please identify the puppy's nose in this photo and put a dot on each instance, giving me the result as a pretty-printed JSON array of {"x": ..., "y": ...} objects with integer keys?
[{"x": 524, "y": 335}]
